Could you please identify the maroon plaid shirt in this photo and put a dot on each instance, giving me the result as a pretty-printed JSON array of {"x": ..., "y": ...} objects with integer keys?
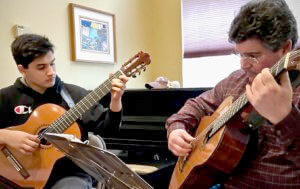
[{"x": 277, "y": 160}]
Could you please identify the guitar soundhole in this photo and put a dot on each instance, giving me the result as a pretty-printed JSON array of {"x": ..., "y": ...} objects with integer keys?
[
  {"x": 44, "y": 142},
  {"x": 207, "y": 136}
]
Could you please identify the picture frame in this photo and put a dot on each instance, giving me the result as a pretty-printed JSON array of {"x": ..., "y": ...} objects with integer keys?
[{"x": 92, "y": 35}]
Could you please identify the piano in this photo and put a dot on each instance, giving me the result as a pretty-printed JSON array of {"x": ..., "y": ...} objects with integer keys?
[{"x": 141, "y": 138}]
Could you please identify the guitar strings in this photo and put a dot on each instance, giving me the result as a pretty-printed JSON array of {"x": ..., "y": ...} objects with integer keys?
[
  {"x": 58, "y": 125},
  {"x": 239, "y": 103}
]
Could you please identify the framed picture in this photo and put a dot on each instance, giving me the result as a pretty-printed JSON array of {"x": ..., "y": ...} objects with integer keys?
[{"x": 92, "y": 35}]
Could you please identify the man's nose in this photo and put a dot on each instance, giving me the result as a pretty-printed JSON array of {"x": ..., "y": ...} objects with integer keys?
[
  {"x": 50, "y": 70},
  {"x": 245, "y": 64}
]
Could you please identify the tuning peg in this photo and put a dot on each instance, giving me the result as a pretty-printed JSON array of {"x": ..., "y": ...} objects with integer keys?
[
  {"x": 139, "y": 72},
  {"x": 144, "y": 69},
  {"x": 134, "y": 76}
]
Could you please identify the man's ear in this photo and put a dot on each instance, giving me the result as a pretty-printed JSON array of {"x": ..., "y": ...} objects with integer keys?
[
  {"x": 287, "y": 47},
  {"x": 21, "y": 69}
]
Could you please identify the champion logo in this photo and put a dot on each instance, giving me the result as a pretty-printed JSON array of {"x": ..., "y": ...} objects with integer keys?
[{"x": 22, "y": 109}]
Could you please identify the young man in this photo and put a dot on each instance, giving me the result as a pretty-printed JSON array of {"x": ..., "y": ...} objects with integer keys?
[
  {"x": 263, "y": 32},
  {"x": 38, "y": 85}
]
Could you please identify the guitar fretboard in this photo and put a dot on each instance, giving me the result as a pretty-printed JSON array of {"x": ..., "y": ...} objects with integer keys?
[
  {"x": 74, "y": 113},
  {"x": 239, "y": 103}
]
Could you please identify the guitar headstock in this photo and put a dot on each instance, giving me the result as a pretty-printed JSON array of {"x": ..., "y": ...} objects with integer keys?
[
  {"x": 292, "y": 60},
  {"x": 136, "y": 64}
]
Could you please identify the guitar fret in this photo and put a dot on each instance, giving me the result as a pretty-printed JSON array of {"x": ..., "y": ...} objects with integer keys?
[
  {"x": 68, "y": 117},
  {"x": 94, "y": 93},
  {"x": 87, "y": 103},
  {"x": 107, "y": 87},
  {"x": 74, "y": 113},
  {"x": 233, "y": 109},
  {"x": 91, "y": 100},
  {"x": 59, "y": 125},
  {"x": 48, "y": 129},
  {"x": 55, "y": 129},
  {"x": 96, "y": 96},
  {"x": 74, "y": 110},
  {"x": 232, "y": 112},
  {"x": 277, "y": 70},
  {"x": 68, "y": 121},
  {"x": 63, "y": 122},
  {"x": 101, "y": 91},
  {"x": 80, "y": 107},
  {"x": 241, "y": 102},
  {"x": 84, "y": 104}
]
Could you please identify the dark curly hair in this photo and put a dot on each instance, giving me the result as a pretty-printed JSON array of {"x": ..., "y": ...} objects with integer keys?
[
  {"x": 271, "y": 21},
  {"x": 27, "y": 47}
]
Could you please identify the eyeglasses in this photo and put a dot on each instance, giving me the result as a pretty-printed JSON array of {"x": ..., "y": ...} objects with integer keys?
[{"x": 250, "y": 58}]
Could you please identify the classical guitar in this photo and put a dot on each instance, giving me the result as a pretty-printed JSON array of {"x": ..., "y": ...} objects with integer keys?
[
  {"x": 221, "y": 140},
  {"x": 33, "y": 171}
]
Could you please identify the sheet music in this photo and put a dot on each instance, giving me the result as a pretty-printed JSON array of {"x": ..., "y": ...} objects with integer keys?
[
  {"x": 101, "y": 164},
  {"x": 69, "y": 137}
]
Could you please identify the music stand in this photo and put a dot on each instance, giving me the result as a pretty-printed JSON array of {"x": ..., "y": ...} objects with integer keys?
[{"x": 103, "y": 165}]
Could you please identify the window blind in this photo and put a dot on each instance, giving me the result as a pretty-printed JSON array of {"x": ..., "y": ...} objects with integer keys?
[{"x": 205, "y": 26}]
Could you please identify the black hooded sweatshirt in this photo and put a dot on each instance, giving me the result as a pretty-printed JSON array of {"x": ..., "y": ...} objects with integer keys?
[{"x": 18, "y": 101}]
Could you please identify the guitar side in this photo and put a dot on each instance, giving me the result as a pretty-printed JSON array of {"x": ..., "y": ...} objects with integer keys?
[
  {"x": 35, "y": 169},
  {"x": 39, "y": 165},
  {"x": 213, "y": 157},
  {"x": 222, "y": 151}
]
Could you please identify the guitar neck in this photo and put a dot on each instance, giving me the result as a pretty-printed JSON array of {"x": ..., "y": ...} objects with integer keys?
[
  {"x": 74, "y": 113},
  {"x": 239, "y": 103}
]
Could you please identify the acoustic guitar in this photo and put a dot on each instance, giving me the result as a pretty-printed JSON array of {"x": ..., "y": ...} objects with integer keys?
[
  {"x": 33, "y": 171},
  {"x": 221, "y": 139}
]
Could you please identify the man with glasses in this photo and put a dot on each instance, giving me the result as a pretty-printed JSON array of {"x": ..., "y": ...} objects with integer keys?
[{"x": 263, "y": 32}]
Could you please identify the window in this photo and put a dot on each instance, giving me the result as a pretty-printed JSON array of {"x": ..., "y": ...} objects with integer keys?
[
  {"x": 205, "y": 26},
  {"x": 207, "y": 71}
]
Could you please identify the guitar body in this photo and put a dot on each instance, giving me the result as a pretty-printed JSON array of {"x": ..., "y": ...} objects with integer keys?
[
  {"x": 219, "y": 147},
  {"x": 33, "y": 171},
  {"x": 39, "y": 165},
  {"x": 213, "y": 156}
]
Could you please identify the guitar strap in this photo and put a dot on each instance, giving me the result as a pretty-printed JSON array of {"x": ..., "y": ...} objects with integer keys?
[{"x": 67, "y": 97}]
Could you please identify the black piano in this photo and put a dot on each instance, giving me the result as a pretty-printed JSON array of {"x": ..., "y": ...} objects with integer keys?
[{"x": 141, "y": 138}]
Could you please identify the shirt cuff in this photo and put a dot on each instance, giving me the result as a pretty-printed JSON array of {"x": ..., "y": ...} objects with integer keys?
[
  {"x": 114, "y": 115},
  {"x": 174, "y": 126}
]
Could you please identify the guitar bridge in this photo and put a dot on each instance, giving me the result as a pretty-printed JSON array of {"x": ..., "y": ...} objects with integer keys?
[{"x": 15, "y": 163}]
